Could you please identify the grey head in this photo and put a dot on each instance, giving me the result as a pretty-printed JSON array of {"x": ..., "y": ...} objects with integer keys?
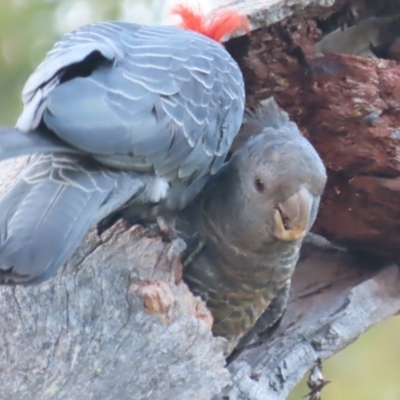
[{"x": 270, "y": 189}]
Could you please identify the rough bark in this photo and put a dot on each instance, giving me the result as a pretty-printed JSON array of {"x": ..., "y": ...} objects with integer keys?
[
  {"x": 347, "y": 106},
  {"x": 264, "y": 13},
  {"x": 113, "y": 324},
  {"x": 335, "y": 297},
  {"x": 117, "y": 322}
]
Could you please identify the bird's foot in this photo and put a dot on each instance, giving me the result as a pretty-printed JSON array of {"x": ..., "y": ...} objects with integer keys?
[
  {"x": 164, "y": 228},
  {"x": 167, "y": 229}
]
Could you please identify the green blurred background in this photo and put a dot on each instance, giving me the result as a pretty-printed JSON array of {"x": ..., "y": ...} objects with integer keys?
[{"x": 369, "y": 369}]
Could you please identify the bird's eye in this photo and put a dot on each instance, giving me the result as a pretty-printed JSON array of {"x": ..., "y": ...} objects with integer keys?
[{"x": 259, "y": 184}]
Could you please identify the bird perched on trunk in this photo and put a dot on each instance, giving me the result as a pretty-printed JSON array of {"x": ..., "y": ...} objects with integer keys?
[
  {"x": 245, "y": 230},
  {"x": 117, "y": 112}
]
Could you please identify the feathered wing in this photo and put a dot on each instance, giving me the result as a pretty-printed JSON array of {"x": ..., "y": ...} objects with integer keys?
[
  {"x": 14, "y": 143},
  {"x": 160, "y": 101},
  {"x": 139, "y": 97},
  {"x": 46, "y": 214}
]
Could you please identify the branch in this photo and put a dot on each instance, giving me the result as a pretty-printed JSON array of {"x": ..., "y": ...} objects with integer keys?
[
  {"x": 265, "y": 13},
  {"x": 118, "y": 322},
  {"x": 114, "y": 323},
  {"x": 9, "y": 172},
  {"x": 335, "y": 298}
]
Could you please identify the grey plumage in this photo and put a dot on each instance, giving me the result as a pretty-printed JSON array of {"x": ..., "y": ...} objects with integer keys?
[
  {"x": 153, "y": 96},
  {"x": 14, "y": 143},
  {"x": 244, "y": 231},
  {"x": 116, "y": 113}
]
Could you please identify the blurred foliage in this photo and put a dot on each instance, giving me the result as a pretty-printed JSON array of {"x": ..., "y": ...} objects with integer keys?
[
  {"x": 367, "y": 370},
  {"x": 28, "y": 28},
  {"x": 24, "y": 35}
]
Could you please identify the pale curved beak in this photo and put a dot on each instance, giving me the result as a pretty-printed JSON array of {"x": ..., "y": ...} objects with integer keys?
[{"x": 292, "y": 216}]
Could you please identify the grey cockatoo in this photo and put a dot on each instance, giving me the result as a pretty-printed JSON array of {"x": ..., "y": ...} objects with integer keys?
[
  {"x": 116, "y": 112},
  {"x": 245, "y": 230}
]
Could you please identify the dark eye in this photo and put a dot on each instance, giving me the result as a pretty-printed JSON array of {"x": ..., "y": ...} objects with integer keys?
[{"x": 259, "y": 184}]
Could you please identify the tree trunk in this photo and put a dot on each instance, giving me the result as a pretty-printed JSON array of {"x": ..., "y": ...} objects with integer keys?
[
  {"x": 118, "y": 322},
  {"x": 348, "y": 106}
]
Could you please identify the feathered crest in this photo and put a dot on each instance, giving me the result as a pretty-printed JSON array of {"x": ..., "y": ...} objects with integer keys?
[
  {"x": 267, "y": 115},
  {"x": 216, "y": 25}
]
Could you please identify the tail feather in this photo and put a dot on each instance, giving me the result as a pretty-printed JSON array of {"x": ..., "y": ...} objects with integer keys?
[
  {"x": 46, "y": 227},
  {"x": 14, "y": 143},
  {"x": 42, "y": 221}
]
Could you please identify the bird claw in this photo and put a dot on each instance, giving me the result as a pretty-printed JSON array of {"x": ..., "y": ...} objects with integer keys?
[
  {"x": 163, "y": 228},
  {"x": 167, "y": 229}
]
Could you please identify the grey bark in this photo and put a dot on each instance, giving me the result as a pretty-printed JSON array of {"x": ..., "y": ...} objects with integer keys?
[
  {"x": 263, "y": 13},
  {"x": 117, "y": 322},
  {"x": 335, "y": 297}
]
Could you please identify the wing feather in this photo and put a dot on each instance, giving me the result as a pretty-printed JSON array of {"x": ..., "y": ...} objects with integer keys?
[{"x": 151, "y": 85}]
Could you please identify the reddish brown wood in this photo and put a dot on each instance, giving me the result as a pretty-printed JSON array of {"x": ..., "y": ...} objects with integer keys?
[{"x": 349, "y": 107}]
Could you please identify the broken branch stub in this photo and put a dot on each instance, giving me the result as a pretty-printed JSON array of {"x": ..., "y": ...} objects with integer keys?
[
  {"x": 117, "y": 322},
  {"x": 114, "y": 323}
]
